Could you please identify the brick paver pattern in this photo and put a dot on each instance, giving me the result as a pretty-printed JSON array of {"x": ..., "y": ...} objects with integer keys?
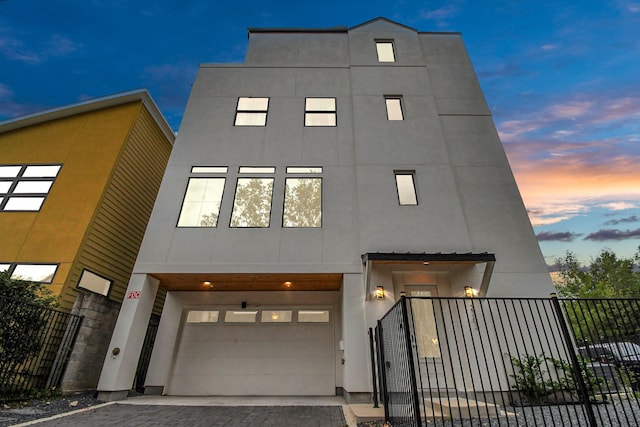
[{"x": 203, "y": 416}]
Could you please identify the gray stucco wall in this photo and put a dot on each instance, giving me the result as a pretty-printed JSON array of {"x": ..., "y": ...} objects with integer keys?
[{"x": 468, "y": 198}]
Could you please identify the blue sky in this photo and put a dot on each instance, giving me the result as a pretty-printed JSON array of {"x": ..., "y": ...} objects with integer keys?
[{"x": 561, "y": 79}]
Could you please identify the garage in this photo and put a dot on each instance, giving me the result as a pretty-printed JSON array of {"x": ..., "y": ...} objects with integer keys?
[{"x": 255, "y": 352}]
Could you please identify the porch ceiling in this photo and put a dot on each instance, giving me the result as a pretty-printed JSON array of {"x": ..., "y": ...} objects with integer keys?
[{"x": 249, "y": 281}]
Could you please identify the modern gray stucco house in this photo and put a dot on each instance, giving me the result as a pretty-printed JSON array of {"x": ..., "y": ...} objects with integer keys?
[{"x": 329, "y": 164}]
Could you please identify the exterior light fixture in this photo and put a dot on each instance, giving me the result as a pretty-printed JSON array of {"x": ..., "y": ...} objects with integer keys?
[
  {"x": 379, "y": 293},
  {"x": 469, "y": 292},
  {"x": 287, "y": 284},
  {"x": 208, "y": 284},
  {"x": 274, "y": 315}
]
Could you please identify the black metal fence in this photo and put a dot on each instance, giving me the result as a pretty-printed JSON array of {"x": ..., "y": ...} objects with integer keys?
[
  {"x": 35, "y": 343},
  {"x": 510, "y": 362}
]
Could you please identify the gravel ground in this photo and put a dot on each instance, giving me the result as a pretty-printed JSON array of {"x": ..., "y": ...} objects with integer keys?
[{"x": 12, "y": 413}]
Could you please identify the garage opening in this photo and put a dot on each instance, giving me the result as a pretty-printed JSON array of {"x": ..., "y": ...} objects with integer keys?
[{"x": 276, "y": 351}]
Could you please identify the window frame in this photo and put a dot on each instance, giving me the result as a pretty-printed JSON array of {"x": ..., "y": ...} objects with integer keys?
[
  {"x": 205, "y": 173},
  {"x": 380, "y": 55},
  {"x": 23, "y": 176},
  {"x": 399, "y": 193},
  {"x": 249, "y": 173},
  {"x": 308, "y": 113},
  {"x": 397, "y": 98},
  {"x": 86, "y": 270},
  {"x": 302, "y": 172},
  {"x": 251, "y": 112},
  {"x": 13, "y": 265}
]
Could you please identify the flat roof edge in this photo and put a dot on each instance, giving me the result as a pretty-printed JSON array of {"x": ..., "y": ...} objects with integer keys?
[
  {"x": 92, "y": 105},
  {"x": 298, "y": 30},
  {"x": 425, "y": 256}
]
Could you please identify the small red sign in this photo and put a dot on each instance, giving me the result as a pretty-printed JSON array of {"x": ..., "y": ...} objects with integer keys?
[{"x": 134, "y": 295}]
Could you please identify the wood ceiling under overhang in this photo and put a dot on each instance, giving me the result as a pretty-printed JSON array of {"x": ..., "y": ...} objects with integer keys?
[{"x": 249, "y": 281}]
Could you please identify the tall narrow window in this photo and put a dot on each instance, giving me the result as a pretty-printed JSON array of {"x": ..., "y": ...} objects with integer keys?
[
  {"x": 385, "y": 51},
  {"x": 252, "y": 111},
  {"x": 302, "y": 199},
  {"x": 406, "y": 188},
  {"x": 394, "y": 108},
  {"x": 201, "y": 205},
  {"x": 252, "y": 203},
  {"x": 25, "y": 187},
  {"x": 320, "y": 112}
]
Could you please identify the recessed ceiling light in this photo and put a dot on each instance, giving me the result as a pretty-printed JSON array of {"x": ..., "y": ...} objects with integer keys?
[{"x": 288, "y": 284}]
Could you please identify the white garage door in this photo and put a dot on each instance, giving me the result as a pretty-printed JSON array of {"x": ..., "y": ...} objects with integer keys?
[{"x": 279, "y": 352}]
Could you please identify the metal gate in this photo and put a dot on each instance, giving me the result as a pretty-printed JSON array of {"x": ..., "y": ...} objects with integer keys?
[{"x": 510, "y": 361}]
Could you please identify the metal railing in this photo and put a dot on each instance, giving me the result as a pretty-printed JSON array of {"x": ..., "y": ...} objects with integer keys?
[
  {"x": 509, "y": 362},
  {"x": 35, "y": 344}
]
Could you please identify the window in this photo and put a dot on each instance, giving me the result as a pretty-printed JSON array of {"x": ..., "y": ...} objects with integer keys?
[
  {"x": 313, "y": 316},
  {"x": 94, "y": 283},
  {"x": 41, "y": 273},
  {"x": 320, "y": 112},
  {"x": 302, "y": 198},
  {"x": 275, "y": 316},
  {"x": 201, "y": 205},
  {"x": 24, "y": 187},
  {"x": 385, "y": 51},
  {"x": 252, "y": 202},
  {"x": 394, "y": 108},
  {"x": 251, "y": 111},
  {"x": 203, "y": 316},
  {"x": 406, "y": 188},
  {"x": 240, "y": 316}
]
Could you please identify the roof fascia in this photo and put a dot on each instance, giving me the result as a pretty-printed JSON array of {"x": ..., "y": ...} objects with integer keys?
[{"x": 92, "y": 105}]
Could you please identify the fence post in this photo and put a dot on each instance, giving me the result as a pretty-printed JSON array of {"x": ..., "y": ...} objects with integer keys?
[
  {"x": 577, "y": 374},
  {"x": 373, "y": 369},
  {"x": 383, "y": 370},
  {"x": 412, "y": 368}
]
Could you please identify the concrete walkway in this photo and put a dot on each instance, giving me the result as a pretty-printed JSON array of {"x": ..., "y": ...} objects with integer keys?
[{"x": 144, "y": 411}]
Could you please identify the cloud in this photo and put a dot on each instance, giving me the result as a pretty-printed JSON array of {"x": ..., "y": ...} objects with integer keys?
[
  {"x": 633, "y": 218},
  {"x": 562, "y": 236},
  {"x": 611, "y": 234},
  {"x": 619, "y": 206},
  {"x": 444, "y": 12},
  {"x": 8, "y": 107},
  {"x": 55, "y": 46}
]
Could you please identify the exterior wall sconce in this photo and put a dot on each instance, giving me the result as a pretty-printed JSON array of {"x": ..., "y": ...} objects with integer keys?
[
  {"x": 469, "y": 292},
  {"x": 379, "y": 293}
]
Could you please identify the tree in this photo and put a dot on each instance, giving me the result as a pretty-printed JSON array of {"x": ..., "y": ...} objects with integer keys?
[
  {"x": 597, "y": 312},
  {"x": 23, "y": 321},
  {"x": 606, "y": 277}
]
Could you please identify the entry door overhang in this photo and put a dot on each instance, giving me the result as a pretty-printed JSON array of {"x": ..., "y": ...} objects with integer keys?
[{"x": 453, "y": 258}]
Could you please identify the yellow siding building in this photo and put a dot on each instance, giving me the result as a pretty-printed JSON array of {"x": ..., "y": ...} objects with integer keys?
[{"x": 77, "y": 186}]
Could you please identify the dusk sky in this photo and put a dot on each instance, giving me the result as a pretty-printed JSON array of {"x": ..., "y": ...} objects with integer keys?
[{"x": 562, "y": 80}]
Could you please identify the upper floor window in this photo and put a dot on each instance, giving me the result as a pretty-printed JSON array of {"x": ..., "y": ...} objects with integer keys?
[
  {"x": 24, "y": 187},
  {"x": 406, "y": 188},
  {"x": 252, "y": 202},
  {"x": 394, "y": 107},
  {"x": 201, "y": 205},
  {"x": 94, "y": 282},
  {"x": 302, "y": 197},
  {"x": 320, "y": 112},
  {"x": 252, "y": 111},
  {"x": 385, "y": 51}
]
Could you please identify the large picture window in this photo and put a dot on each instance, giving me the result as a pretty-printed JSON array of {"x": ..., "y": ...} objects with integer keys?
[
  {"x": 25, "y": 187},
  {"x": 302, "y": 198},
  {"x": 252, "y": 202},
  {"x": 320, "y": 112},
  {"x": 201, "y": 205}
]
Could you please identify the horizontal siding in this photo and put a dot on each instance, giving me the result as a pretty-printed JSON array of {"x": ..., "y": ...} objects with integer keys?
[{"x": 113, "y": 240}]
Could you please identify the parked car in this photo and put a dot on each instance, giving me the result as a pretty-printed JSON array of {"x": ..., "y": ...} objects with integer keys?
[{"x": 625, "y": 356}]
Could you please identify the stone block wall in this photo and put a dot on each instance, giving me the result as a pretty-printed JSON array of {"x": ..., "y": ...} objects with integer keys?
[{"x": 87, "y": 357}]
